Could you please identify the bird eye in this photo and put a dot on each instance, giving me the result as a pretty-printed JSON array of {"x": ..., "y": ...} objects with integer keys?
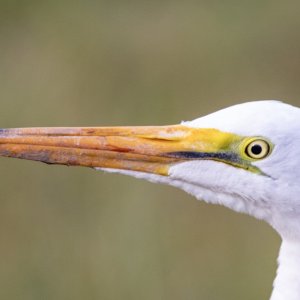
[{"x": 258, "y": 149}]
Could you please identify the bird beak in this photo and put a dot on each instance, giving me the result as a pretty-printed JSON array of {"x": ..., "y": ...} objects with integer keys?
[{"x": 145, "y": 149}]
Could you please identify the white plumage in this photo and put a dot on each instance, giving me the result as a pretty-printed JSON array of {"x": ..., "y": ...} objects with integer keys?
[
  {"x": 245, "y": 157},
  {"x": 274, "y": 198}
]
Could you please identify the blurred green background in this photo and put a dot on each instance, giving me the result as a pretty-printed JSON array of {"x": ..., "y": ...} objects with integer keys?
[{"x": 74, "y": 233}]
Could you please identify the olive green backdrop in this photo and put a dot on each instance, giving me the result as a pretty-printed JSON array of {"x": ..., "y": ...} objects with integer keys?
[{"x": 74, "y": 233}]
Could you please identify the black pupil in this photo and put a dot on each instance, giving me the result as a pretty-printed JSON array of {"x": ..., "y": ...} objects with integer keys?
[{"x": 256, "y": 149}]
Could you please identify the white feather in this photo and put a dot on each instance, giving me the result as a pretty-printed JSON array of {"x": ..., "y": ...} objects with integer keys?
[{"x": 274, "y": 198}]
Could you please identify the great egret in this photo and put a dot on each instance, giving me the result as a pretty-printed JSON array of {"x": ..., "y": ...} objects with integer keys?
[{"x": 245, "y": 157}]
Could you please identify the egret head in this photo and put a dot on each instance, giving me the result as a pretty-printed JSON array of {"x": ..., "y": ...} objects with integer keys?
[
  {"x": 269, "y": 187},
  {"x": 245, "y": 157}
]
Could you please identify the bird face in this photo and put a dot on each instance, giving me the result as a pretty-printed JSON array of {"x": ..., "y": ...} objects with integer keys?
[
  {"x": 241, "y": 157},
  {"x": 271, "y": 194}
]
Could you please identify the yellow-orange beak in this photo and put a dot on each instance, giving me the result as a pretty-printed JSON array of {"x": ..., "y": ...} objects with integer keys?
[{"x": 145, "y": 149}]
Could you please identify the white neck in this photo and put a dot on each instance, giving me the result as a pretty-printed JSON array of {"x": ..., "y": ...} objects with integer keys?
[{"x": 287, "y": 282}]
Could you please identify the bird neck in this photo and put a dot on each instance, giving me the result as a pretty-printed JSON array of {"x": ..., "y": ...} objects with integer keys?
[{"x": 287, "y": 281}]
